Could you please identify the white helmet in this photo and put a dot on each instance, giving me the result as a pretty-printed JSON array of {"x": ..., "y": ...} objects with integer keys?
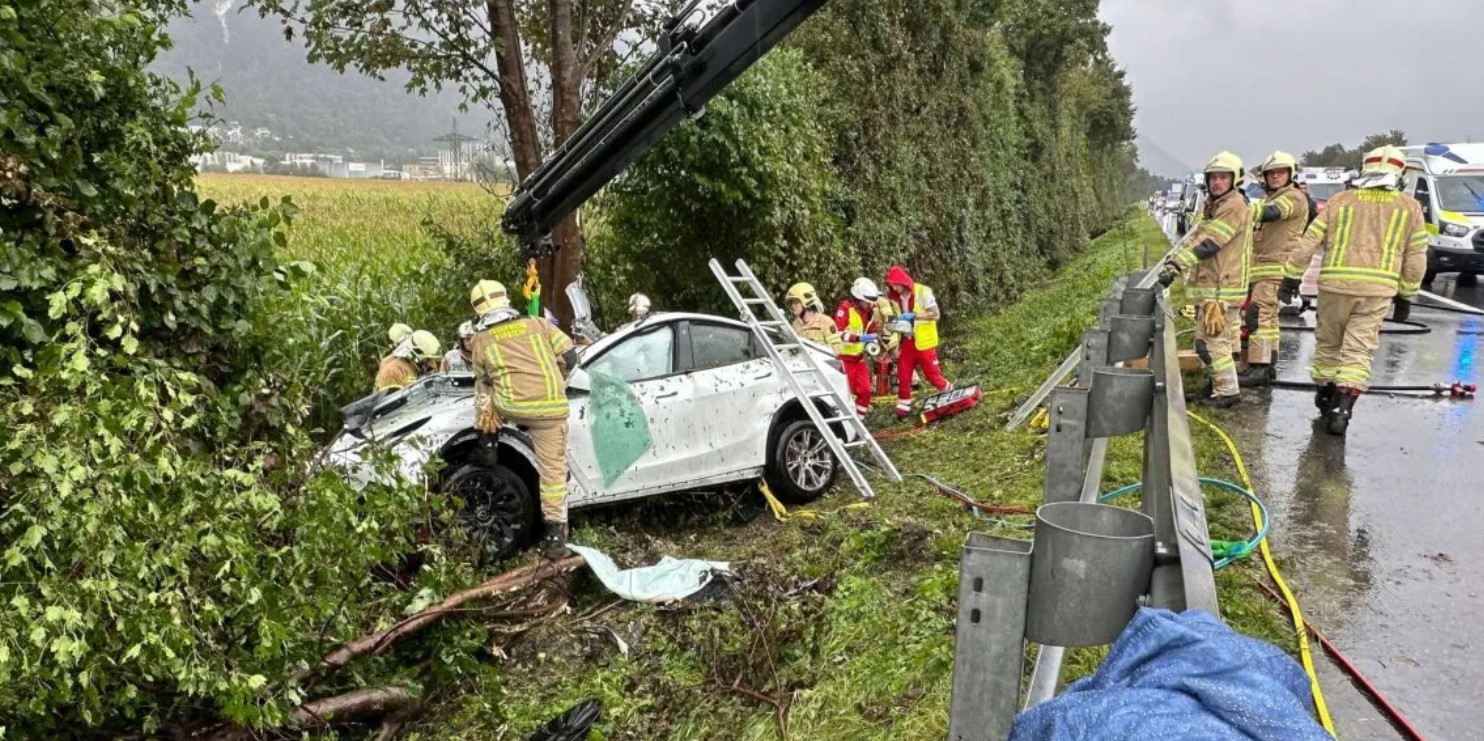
[
  {"x": 638, "y": 305},
  {"x": 864, "y": 289},
  {"x": 466, "y": 330}
]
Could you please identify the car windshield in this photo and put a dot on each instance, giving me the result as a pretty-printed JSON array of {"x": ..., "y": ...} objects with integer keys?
[{"x": 1463, "y": 193}]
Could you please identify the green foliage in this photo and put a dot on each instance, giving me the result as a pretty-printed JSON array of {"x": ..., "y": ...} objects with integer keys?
[
  {"x": 169, "y": 549},
  {"x": 1337, "y": 155},
  {"x": 974, "y": 144},
  {"x": 750, "y": 179}
]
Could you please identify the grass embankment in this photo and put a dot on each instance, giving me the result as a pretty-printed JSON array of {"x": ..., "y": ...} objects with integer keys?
[{"x": 839, "y": 627}]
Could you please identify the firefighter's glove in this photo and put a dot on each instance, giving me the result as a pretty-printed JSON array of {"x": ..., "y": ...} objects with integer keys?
[
  {"x": 1213, "y": 318},
  {"x": 1288, "y": 291},
  {"x": 1401, "y": 308},
  {"x": 907, "y": 316},
  {"x": 486, "y": 418},
  {"x": 1168, "y": 275}
]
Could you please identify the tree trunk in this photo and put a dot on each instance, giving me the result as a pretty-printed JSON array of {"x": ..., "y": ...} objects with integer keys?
[
  {"x": 566, "y": 115},
  {"x": 515, "y": 94}
]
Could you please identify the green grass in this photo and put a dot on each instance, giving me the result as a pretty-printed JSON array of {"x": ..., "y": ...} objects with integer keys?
[{"x": 845, "y": 620}]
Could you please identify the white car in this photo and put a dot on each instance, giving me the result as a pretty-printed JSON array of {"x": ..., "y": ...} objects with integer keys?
[{"x": 674, "y": 402}]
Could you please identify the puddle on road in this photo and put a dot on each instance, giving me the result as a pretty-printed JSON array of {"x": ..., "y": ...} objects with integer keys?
[{"x": 1380, "y": 531}]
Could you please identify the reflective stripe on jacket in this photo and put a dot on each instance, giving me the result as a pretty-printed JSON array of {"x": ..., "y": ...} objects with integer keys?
[
  {"x": 1273, "y": 241},
  {"x": 519, "y": 364},
  {"x": 1227, "y": 221},
  {"x": 1374, "y": 242}
]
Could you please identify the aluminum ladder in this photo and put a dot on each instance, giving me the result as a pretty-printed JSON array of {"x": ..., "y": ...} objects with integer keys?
[{"x": 791, "y": 341}]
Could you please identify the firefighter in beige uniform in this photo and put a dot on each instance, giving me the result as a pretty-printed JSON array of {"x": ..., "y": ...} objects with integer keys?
[
  {"x": 519, "y": 376},
  {"x": 1216, "y": 260},
  {"x": 809, "y": 319},
  {"x": 1278, "y": 222},
  {"x": 1374, "y": 240}
]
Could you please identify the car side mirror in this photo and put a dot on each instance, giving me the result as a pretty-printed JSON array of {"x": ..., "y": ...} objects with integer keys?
[{"x": 579, "y": 383}]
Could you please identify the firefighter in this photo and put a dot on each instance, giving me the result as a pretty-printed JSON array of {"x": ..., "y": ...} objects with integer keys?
[
  {"x": 1215, "y": 256},
  {"x": 519, "y": 377},
  {"x": 398, "y": 334},
  {"x": 853, "y": 320},
  {"x": 415, "y": 354},
  {"x": 1374, "y": 240},
  {"x": 638, "y": 307},
  {"x": 914, "y": 303},
  {"x": 1279, "y": 221},
  {"x": 809, "y": 319},
  {"x": 458, "y": 358}
]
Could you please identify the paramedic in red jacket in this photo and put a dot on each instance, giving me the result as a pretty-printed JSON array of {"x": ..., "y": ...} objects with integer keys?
[{"x": 914, "y": 303}]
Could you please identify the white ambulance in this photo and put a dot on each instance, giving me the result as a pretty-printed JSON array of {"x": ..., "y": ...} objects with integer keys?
[{"x": 1448, "y": 180}]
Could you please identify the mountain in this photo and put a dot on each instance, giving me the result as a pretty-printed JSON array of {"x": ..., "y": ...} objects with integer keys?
[
  {"x": 310, "y": 107},
  {"x": 1156, "y": 160}
]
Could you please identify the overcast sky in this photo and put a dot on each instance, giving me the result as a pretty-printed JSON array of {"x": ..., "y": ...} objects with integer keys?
[{"x": 1257, "y": 75}]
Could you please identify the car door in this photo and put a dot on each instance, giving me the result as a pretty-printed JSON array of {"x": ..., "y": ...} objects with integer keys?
[
  {"x": 737, "y": 390},
  {"x": 619, "y": 452}
]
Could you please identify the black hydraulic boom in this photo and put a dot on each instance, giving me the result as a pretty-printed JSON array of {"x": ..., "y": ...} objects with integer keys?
[{"x": 696, "y": 59}]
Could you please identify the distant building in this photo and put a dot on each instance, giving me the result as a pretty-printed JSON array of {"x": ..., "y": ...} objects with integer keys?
[{"x": 227, "y": 162}]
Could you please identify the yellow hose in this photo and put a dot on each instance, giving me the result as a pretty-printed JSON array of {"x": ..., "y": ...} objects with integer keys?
[{"x": 1267, "y": 558}]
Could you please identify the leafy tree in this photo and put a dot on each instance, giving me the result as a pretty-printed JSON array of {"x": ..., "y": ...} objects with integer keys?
[
  {"x": 750, "y": 179},
  {"x": 444, "y": 43},
  {"x": 1336, "y": 155},
  {"x": 167, "y": 550}
]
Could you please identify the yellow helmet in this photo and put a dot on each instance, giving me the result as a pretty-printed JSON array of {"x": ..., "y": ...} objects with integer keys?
[
  {"x": 1387, "y": 160},
  {"x": 806, "y": 295},
  {"x": 1226, "y": 162},
  {"x": 1278, "y": 160},
  {"x": 425, "y": 345},
  {"x": 399, "y": 332},
  {"x": 487, "y": 296}
]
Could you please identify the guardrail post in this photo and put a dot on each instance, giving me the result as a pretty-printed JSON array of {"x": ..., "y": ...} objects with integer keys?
[{"x": 989, "y": 654}]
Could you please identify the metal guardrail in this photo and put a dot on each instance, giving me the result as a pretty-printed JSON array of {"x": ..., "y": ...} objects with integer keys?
[{"x": 1090, "y": 565}]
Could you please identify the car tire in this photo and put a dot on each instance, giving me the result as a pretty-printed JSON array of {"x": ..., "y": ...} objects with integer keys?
[
  {"x": 1431, "y": 273},
  {"x": 1468, "y": 278},
  {"x": 498, "y": 514},
  {"x": 801, "y": 466}
]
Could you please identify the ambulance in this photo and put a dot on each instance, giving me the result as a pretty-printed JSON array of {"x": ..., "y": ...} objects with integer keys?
[{"x": 1448, "y": 180}]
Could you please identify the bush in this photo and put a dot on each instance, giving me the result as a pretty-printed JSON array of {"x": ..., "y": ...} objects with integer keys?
[{"x": 169, "y": 550}]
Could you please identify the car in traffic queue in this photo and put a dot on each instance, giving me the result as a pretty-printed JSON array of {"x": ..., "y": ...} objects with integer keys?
[{"x": 673, "y": 402}]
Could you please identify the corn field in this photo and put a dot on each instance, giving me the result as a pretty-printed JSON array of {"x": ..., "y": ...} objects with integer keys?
[{"x": 361, "y": 256}]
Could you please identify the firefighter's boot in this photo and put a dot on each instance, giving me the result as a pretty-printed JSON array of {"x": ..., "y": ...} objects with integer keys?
[
  {"x": 1324, "y": 397},
  {"x": 1257, "y": 375},
  {"x": 1220, "y": 402},
  {"x": 1338, "y": 419},
  {"x": 554, "y": 545}
]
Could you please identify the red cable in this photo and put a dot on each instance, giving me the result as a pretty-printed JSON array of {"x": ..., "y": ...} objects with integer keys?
[{"x": 1398, "y": 720}]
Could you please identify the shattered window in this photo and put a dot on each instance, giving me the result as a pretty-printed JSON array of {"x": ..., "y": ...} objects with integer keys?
[
  {"x": 714, "y": 346},
  {"x": 648, "y": 355}
]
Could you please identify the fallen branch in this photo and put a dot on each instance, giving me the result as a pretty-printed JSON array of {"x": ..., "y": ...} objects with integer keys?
[
  {"x": 380, "y": 641},
  {"x": 359, "y": 704}
]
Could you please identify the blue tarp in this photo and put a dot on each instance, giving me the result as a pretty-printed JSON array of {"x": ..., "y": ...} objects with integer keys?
[{"x": 1181, "y": 676}]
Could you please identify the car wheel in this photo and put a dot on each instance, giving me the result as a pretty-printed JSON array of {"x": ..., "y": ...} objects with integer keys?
[
  {"x": 801, "y": 466},
  {"x": 499, "y": 513},
  {"x": 1468, "y": 278}
]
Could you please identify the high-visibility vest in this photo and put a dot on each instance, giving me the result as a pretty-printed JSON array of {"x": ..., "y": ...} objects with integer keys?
[
  {"x": 856, "y": 325},
  {"x": 924, "y": 331}
]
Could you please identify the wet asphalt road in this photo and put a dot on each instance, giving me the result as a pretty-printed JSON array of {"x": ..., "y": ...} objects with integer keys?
[{"x": 1381, "y": 533}]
